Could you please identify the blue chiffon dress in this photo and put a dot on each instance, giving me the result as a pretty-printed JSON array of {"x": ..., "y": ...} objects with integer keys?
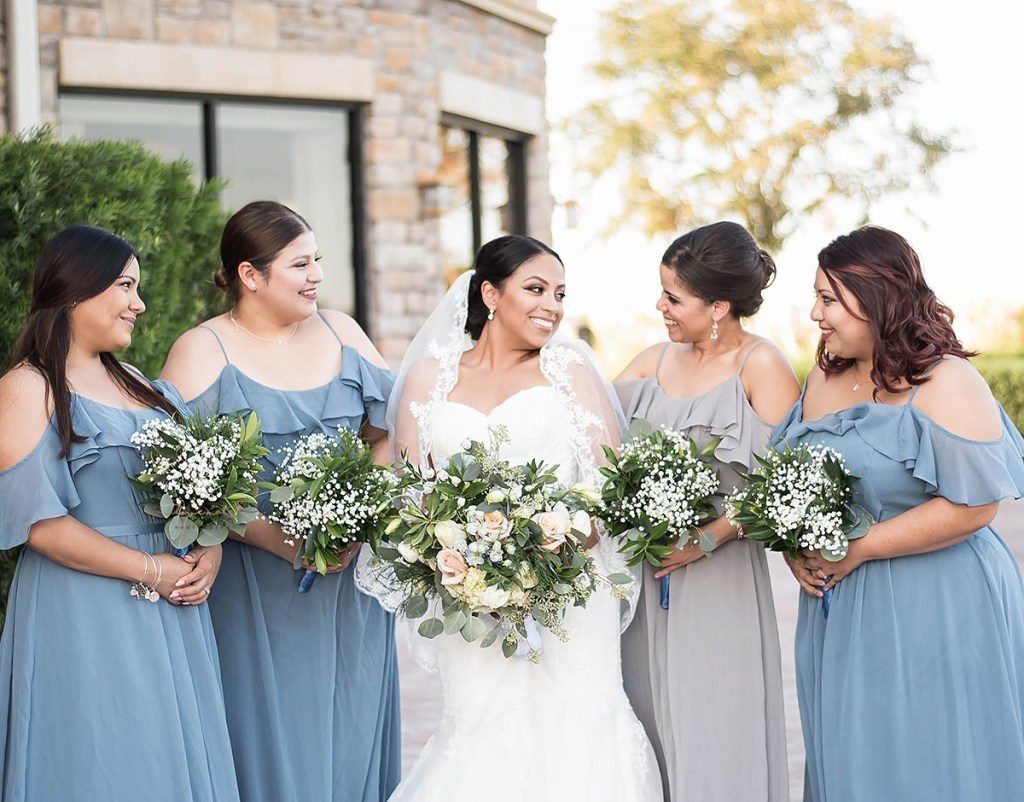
[
  {"x": 102, "y": 697},
  {"x": 310, "y": 679},
  {"x": 913, "y": 689}
]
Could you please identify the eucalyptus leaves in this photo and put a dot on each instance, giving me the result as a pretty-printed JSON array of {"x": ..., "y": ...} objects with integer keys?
[{"x": 201, "y": 474}]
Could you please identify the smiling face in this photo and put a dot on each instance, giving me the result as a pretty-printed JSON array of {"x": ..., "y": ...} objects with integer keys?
[
  {"x": 688, "y": 318},
  {"x": 104, "y": 323},
  {"x": 287, "y": 290},
  {"x": 845, "y": 333},
  {"x": 528, "y": 307}
]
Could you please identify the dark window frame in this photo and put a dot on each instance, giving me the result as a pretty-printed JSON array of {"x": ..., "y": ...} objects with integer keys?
[
  {"x": 355, "y": 115},
  {"x": 517, "y": 142}
]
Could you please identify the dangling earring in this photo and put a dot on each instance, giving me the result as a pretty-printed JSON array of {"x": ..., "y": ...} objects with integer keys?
[
  {"x": 714, "y": 330},
  {"x": 490, "y": 314}
]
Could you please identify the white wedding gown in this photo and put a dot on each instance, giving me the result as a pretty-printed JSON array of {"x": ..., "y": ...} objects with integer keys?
[{"x": 515, "y": 731}]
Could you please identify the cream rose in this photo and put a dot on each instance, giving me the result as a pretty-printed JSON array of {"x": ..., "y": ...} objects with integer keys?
[
  {"x": 556, "y": 526},
  {"x": 452, "y": 565},
  {"x": 493, "y": 597},
  {"x": 409, "y": 554},
  {"x": 494, "y": 525},
  {"x": 519, "y": 597},
  {"x": 449, "y": 534}
]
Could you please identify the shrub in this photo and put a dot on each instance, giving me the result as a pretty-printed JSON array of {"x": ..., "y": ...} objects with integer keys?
[{"x": 173, "y": 223}]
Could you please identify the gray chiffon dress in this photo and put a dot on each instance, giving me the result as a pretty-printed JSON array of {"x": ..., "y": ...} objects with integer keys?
[{"x": 705, "y": 676}]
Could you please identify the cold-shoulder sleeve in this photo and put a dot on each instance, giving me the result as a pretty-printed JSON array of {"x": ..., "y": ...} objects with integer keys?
[
  {"x": 965, "y": 471},
  {"x": 37, "y": 488},
  {"x": 373, "y": 383}
]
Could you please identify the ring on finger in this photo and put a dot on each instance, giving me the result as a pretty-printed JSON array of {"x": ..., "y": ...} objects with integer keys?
[{"x": 206, "y": 591}]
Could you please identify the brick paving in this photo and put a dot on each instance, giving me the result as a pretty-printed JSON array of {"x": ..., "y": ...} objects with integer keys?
[{"x": 421, "y": 705}]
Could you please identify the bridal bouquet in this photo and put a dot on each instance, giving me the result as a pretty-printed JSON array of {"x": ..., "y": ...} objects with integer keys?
[
  {"x": 498, "y": 548},
  {"x": 201, "y": 474},
  {"x": 800, "y": 498},
  {"x": 329, "y": 493},
  {"x": 658, "y": 493}
]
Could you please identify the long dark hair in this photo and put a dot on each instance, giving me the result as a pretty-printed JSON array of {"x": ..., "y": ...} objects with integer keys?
[
  {"x": 910, "y": 327},
  {"x": 495, "y": 262},
  {"x": 256, "y": 234},
  {"x": 76, "y": 264},
  {"x": 721, "y": 262}
]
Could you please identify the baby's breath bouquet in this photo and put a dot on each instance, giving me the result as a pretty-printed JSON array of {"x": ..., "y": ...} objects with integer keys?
[
  {"x": 329, "y": 493},
  {"x": 658, "y": 493},
  {"x": 800, "y": 498},
  {"x": 201, "y": 474},
  {"x": 491, "y": 549}
]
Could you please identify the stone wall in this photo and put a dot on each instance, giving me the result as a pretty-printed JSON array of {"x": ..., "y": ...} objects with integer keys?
[{"x": 409, "y": 42}]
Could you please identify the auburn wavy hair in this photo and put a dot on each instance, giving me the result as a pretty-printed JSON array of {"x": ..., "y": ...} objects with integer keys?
[{"x": 910, "y": 327}]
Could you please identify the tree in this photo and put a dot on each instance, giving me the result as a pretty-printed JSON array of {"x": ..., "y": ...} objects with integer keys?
[{"x": 761, "y": 110}]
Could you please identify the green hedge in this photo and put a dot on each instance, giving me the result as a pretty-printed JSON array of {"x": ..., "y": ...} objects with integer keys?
[{"x": 173, "y": 223}]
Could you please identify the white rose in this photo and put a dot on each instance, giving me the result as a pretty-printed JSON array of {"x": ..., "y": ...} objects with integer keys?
[
  {"x": 556, "y": 525},
  {"x": 493, "y": 597},
  {"x": 449, "y": 534},
  {"x": 409, "y": 554},
  {"x": 581, "y": 523},
  {"x": 587, "y": 492},
  {"x": 526, "y": 576},
  {"x": 495, "y": 496},
  {"x": 519, "y": 597}
]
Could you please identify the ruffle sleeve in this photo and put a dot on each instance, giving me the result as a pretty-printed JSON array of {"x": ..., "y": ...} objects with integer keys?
[{"x": 39, "y": 487}]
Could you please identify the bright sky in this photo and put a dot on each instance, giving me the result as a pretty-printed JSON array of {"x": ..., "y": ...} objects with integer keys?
[{"x": 965, "y": 232}]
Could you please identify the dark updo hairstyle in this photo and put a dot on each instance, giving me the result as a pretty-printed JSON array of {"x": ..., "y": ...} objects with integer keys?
[
  {"x": 76, "y": 264},
  {"x": 909, "y": 326},
  {"x": 256, "y": 234},
  {"x": 721, "y": 262},
  {"x": 495, "y": 262}
]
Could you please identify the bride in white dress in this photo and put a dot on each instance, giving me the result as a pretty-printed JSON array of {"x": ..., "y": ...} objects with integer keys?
[{"x": 514, "y": 730}]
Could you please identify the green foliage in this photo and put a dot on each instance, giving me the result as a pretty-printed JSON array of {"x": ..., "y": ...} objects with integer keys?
[
  {"x": 174, "y": 225},
  {"x": 763, "y": 112}
]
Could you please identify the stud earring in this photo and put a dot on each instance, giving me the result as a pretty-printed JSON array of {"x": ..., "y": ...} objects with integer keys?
[
  {"x": 714, "y": 330},
  {"x": 490, "y": 314}
]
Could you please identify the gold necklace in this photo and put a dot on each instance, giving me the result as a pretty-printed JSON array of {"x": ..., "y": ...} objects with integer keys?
[
  {"x": 858, "y": 383},
  {"x": 240, "y": 327}
]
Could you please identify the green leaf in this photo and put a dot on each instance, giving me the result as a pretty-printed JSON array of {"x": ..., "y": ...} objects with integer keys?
[
  {"x": 281, "y": 494},
  {"x": 166, "y": 505},
  {"x": 416, "y": 607},
  {"x": 508, "y": 647},
  {"x": 473, "y": 628},
  {"x": 181, "y": 531},
  {"x": 431, "y": 628},
  {"x": 620, "y": 579},
  {"x": 212, "y": 535},
  {"x": 490, "y": 637},
  {"x": 454, "y": 621}
]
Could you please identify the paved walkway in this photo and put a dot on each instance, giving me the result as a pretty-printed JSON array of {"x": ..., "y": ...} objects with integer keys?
[{"x": 421, "y": 708}]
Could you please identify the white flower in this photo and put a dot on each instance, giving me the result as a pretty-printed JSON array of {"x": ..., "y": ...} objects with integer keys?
[
  {"x": 493, "y": 597},
  {"x": 409, "y": 554},
  {"x": 450, "y": 535},
  {"x": 495, "y": 496}
]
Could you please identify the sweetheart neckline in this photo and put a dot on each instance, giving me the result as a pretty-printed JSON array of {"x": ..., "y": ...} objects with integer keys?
[{"x": 499, "y": 405}]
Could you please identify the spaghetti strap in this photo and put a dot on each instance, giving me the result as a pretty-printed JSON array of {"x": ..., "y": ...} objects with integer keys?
[
  {"x": 925, "y": 372},
  {"x": 331, "y": 328},
  {"x": 746, "y": 356},
  {"x": 661, "y": 358},
  {"x": 220, "y": 342}
]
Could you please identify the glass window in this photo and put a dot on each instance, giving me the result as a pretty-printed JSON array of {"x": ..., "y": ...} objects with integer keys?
[
  {"x": 298, "y": 156},
  {"x": 484, "y": 193},
  {"x": 457, "y": 206},
  {"x": 171, "y": 128}
]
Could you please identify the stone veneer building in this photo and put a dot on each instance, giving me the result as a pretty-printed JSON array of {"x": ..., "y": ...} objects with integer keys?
[{"x": 406, "y": 131}]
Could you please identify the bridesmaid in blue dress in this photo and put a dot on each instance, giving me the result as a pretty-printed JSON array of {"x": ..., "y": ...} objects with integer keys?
[
  {"x": 310, "y": 679},
  {"x": 913, "y": 689},
  {"x": 102, "y": 696}
]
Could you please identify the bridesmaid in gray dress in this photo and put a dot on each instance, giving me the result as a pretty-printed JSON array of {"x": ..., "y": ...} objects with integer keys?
[{"x": 704, "y": 676}]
